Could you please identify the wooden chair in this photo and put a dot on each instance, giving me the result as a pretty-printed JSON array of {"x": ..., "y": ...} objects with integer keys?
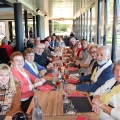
[{"x": 4, "y": 56}]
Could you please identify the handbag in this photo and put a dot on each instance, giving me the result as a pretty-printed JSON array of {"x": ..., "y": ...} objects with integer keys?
[{"x": 20, "y": 116}]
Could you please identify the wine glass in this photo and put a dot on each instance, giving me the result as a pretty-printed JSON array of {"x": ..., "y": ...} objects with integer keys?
[
  {"x": 66, "y": 91},
  {"x": 57, "y": 84}
]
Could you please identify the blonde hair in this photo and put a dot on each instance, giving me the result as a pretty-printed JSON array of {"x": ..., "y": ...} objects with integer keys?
[
  {"x": 93, "y": 46},
  {"x": 12, "y": 81}
]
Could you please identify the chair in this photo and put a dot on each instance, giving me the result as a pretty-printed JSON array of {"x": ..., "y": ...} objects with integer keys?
[{"x": 4, "y": 56}]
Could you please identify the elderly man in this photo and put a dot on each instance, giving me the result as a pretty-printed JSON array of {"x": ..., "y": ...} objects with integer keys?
[
  {"x": 40, "y": 57},
  {"x": 36, "y": 41},
  {"x": 100, "y": 76},
  {"x": 7, "y": 47}
]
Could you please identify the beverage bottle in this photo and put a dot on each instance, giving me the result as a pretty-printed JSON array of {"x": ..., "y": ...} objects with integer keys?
[{"x": 36, "y": 112}]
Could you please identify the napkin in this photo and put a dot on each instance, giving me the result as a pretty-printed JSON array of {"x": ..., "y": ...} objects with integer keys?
[
  {"x": 72, "y": 68},
  {"x": 76, "y": 94},
  {"x": 50, "y": 74},
  {"x": 46, "y": 88},
  {"x": 72, "y": 81},
  {"x": 82, "y": 118}
]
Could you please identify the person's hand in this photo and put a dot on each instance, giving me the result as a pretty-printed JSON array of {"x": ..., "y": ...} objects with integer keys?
[
  {"x": 77, "y": 63},
  {"x": 43, "y": 80},
  {"x": 97, "y": 101},
  {"x": 38, "y": 83},
  {"x": 96, "y": 109},
  {"x": 71, "y": 86},
  {"x": 49, "y": 65},
  {"x": 42, "y": 73},
  {"x": 74, "y": 77}
]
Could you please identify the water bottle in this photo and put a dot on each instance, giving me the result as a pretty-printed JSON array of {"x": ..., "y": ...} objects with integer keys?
[{"x": 36, "y": 112}]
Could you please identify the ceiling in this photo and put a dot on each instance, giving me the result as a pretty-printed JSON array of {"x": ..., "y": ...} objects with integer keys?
[{"x": 56, "y": 9}]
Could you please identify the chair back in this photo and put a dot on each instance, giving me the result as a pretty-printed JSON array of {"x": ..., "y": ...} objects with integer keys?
[{"x": 3, "y": 56}]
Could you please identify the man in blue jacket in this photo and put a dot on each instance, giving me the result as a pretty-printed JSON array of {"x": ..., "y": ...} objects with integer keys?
[{"x": 100, "y": 75}]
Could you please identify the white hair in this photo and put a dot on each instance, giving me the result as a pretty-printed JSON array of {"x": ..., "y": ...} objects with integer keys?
[
  {"x": 106, "y": 48},
  {"x": 72, "y": 39}
]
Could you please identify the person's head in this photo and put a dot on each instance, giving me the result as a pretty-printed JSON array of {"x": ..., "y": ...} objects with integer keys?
[
  {"x": 31, "y": 40},
  {"x": 29, "y": 55},
  {"x": 4, "y": 42},
  {"x": 6, "y": 77},
  {"x": 37, "y": 40},
  {"x": 78, "y": 44},
  {"x": 92, "y": 50},
  {"x": 31, "y": 28},
  {"x": 17, "y": 60},
  {"x": 116, "y": 70},
  {"x": 39, "y": 49},
  {"x": 83, "y": 44},
  {"x": 53, "y": 37},
  {"x": 47, "y": 44},
  {"x": 49, "y": 39},
  {"x": 73, "y": 41},
  {"x": 103, "y": 54}
]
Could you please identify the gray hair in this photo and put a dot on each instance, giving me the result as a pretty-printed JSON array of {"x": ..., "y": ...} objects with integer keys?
[
  {"x": 106, "y": 49},
  {"x": 115, "y": 64},
  {"x": 72, "y": 39},
  {"x": 4, "y": 41},
  {"x": 37, "y": 38}
]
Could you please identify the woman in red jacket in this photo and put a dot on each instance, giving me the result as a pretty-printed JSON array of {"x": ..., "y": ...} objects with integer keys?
[{"x": 27, "y": 81}]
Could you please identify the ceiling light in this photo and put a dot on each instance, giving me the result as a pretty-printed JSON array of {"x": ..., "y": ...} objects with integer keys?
[
  {"x": 61, "y": 19},
  {"x": 37, "y": 10}
]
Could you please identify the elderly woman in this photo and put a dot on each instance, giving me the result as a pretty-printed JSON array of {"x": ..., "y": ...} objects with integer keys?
[
  {"x": 27, "y": 81},
  {"x": 31, "y": 66},
  {"x": 10, "y": 94},
  {"x": 106, "y": 101}
]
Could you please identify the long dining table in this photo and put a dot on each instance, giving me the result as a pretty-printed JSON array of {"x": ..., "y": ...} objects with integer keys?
[{"x": 51, "y": 103}]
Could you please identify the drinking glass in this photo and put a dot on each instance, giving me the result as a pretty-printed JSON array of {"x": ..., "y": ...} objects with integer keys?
[
  {"x": 66, "y": 74},
  {"x": 66, "y": 91},
  {"x": 57, "y": 84},
  {"x": 71, "y": 111}
]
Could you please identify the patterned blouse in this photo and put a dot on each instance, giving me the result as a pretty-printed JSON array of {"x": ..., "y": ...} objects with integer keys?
[{"x": 5, "y": 99}]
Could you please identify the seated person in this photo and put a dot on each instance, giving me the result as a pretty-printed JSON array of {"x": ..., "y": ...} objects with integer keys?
[
  {"x": 8, "y": 48},
  {"x": 10, "y": 94},
  {"x": 40, "y": 57},
  {"x": 106, "y": 100},
  {"x": 85, "y": 57},
  {"x": 31, "y": 66},
  {"x": 60, "y": 42},
  {"x": 100, "y": 76},
  {"x": 27, "y": 81},
  {"x": 47, "y": 52},
  {"x": 54, "y": 42}
]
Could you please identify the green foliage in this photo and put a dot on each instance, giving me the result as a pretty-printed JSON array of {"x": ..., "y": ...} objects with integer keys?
[{"x": 60, "y": 27}]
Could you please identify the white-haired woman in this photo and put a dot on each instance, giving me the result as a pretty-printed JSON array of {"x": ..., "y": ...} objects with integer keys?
[
  {"x": 10, "y": 94},
  {"x": 106, "y": 101}
]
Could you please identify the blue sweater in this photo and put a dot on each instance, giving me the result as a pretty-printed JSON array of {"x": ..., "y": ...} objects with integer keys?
[
  {"x": 105, "y": 75},
  {"x": 29, "y": 69}
]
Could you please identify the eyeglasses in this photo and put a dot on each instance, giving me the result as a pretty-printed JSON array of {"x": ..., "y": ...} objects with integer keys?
[
  {"x": 40, "y": 48},
  {"x": 18, "y": 60},
  {"x": 93, "y": 52},
  {"x": 30, "y": 55}
]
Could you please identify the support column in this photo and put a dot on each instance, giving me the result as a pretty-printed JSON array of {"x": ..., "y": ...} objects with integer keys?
[
  {"x": 18, "y": 26},
  {"x": 6, "y": 29},
  {"x": 34, "y": 28},
  {"x": 98, "y": 23},
  {"x": 84, "y": 27},
  {"x": 90, "y": 25},
  {"x": 50, "y": 28},
  {"x": 114, "y": 31},
  {"x": 26, "y": 24},
  {"x": 38, "y": 25},
  {"x": 105, "y": 22},
  {"x": 87, "y": 25},
  {"x": 81, "y": 34},
  {"x": 10, "y": 30}
]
